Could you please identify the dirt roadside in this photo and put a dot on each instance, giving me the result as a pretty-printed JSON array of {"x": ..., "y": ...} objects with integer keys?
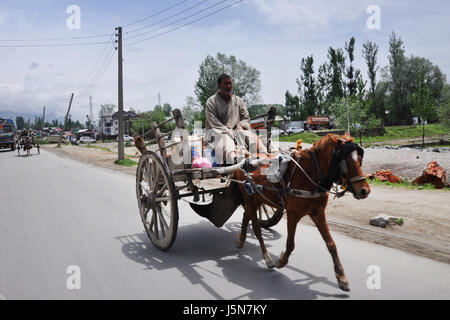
[{"x": 426, "y": 213}]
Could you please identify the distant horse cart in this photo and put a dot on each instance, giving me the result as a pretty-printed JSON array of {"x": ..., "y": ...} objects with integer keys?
[
  {"x": 26, "y": 141},
  {"x": 296, "y": 182}
]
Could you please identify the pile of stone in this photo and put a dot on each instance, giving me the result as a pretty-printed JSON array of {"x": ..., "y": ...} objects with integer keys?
[
  {"x": 433, "y": 174},
  {"x": 384, "y": 175}
]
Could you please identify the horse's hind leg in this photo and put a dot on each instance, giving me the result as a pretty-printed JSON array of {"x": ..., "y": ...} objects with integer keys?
[
  {"x": 243, "y": 235},
  {"x": 319, "y": 219},
  {"x": 251, "y": 211},
  {"x": 292, "y": 221}
]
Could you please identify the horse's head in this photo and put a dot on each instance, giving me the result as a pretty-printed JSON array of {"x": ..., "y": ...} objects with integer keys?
[{"x": 345, "y": 165}]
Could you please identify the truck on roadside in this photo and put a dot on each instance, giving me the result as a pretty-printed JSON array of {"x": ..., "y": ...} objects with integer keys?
[
  {"x": 8, "y": 135},
  {"x": 320, "y": 122}
]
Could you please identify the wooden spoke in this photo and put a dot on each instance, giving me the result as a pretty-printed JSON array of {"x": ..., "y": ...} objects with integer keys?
[
  {"x": 162, "y": 199},
  {"x": 149, "y": 174},
  {"x": 165, "y": 212},
  {"x": 155, "y": 223},
  {"x": 265, "y": 210},
  {"x": 163, "y": 223},
  {"x": 161, "y": 191},
  {"x": 157, "y": 177}
]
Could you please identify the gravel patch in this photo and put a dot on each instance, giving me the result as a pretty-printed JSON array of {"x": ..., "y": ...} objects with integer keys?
[
  {"x": 404, "y": 162},
  {"x": 407, "y": 163}
]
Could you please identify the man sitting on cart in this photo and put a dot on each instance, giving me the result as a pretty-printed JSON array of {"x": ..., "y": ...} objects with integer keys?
[{"x": 228, "y": 123}]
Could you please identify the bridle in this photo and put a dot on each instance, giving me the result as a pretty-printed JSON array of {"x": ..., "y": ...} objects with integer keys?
[{"x": 338, "y": 172}]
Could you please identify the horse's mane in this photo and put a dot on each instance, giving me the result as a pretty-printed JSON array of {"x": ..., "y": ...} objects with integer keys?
[{"x": 331, "y": 139}]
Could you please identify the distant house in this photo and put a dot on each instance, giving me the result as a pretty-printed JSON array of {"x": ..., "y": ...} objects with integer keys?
[
  {"x": 109, "y": 123},
  {"x": 106, "y": 124},
  {"x": 128, "y": 119}
]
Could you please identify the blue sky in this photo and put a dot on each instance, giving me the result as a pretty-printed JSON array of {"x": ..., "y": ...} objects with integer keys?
[{"x": 271, "y": 35}]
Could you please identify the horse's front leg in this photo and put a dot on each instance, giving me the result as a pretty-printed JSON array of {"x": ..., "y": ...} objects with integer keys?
[
  {"x": 320, "y": 221},
  {"x": 243, "y": 235},
  {"x": 292, "y": 221}
]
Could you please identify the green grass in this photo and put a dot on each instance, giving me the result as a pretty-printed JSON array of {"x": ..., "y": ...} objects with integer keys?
[
  {"x": 126, "y": 162},
  {"x": 42, "y": 141},
  {"x": 392, "y": 133},
  {"x": 97, "y": 147},
  {"x": 405, "y": 184},
  {"x": 407, "y": 132},
  {"x": 306, "y": 137}
]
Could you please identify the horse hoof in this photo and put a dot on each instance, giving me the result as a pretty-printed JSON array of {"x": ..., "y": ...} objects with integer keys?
[
  {"x": 270, "y": 264},
  {"x": 269, "y": 261},
  {"x": 239, "y": 245},
  {"x": 280, "y": 262},
  {"x": 344, "y": 287}
]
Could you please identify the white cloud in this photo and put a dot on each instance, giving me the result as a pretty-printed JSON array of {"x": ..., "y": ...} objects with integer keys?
[{"x": 310, "y": 14}]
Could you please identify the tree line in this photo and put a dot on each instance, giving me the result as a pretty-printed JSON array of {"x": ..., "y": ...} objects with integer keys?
[
  {"x": 409, "y": 86},
  {"x": 39, "y": 125}
]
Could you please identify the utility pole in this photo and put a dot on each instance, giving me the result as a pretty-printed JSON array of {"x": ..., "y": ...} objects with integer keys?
[
  {"x": 90, "y": 114},
  {"x": 120, "y": 95},
  {"x": 348, "y": 117},
  {"x": 43, "y": 119},
  {"x": 159, "y": 99},
  {"x": 65, "y": 122}
]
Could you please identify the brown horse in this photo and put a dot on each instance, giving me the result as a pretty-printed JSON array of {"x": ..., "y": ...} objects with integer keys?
[{"x": 304, "y": 191}]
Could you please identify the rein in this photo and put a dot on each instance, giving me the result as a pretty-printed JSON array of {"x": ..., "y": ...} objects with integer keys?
[{"x": 338, "y": 167}]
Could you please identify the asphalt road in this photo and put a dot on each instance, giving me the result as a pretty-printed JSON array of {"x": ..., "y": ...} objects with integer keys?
[{"x": 57, "y": 213}]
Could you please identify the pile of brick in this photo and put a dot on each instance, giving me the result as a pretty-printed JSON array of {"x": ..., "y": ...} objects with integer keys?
[
  {"x": 384, "y": 175},
  {"x": 433, "y": 174}
]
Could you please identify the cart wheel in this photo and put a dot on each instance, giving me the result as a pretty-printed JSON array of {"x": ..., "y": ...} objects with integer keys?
[
  {"x": 268, "y": 216},
  {"x": 157, "y": 200}
]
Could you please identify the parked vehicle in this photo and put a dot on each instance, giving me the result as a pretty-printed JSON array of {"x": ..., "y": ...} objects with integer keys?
[
  {"x": 317, "y": 123},
  {"x": 86, "y": 139},
  {"x": 54, "y": 138},
  {"x": 292, "y": 130},
  {"x": 126, "y": 138},
  {"x": 7, "y": 134}
]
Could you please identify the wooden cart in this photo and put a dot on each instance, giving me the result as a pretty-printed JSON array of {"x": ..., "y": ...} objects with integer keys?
[
  {"x": 27, "y": 143},
  {"x": 160, "y": 184}
]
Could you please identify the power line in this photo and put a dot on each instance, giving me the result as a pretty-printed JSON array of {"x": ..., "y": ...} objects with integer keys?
[
  {"x": 179, "y": 20},
  {"x": 100, "y": 72},
  {"x": 103, "y": 72},
  {"x": 96, "y": 64},
  {"x": 155, "y": 14},
  {"x": 191, "y": 22},
  {"x": 55, "y": 39},
  {"x": 162, "y": 20},
  {"x": 52, "y": 45}
]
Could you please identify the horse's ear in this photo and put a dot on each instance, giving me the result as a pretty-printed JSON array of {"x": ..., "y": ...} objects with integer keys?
[{"x": 346, "y": 138}]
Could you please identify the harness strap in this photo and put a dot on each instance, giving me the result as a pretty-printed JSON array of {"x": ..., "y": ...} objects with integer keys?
[
  {"x": 316, "y": 163},
  {"x": 293, "y": 170},
  {"x": 305, "y": 194}
]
